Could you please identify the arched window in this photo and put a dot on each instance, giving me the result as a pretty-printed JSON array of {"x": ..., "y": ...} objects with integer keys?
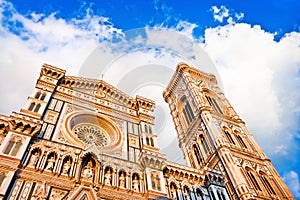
[
  {"x": 32, "y": 105},
  {"x": 151, "y": 142},
  {"x": 37, "y": 107},
  {"x": 16, "y": 148},
  {"x": 266, "y": 183},
  {"x": 13, "y": 146},
  {"x": 40, "y": 95},
  {"x": 214, "y": 104},
  {"x": 240, "y": 140},
  {"x": 158, "y": 182},
  {"x": 228, "y": 136},
  {"x": 186, "y": 109},
  {"x": 43, "y": 96},
  {"x": 147, "y": 141},
  {"x": 2, "y": 177},
  {"x": 37, "y": 95},
  {"x": 252, "y": 179},
  {"x": 198, "y": 154},
  {"x": 204, "y": 144},
  {"x": 150, "y": 129},
  {"x": 153, "y": 181}
]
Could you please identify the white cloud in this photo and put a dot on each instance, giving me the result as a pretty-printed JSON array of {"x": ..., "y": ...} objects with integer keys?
[
  {"x": 261, "y": 79},
  {"x": 43, "y": 39},
  {"x": 222, "y": 13},
  {"x": 292, "y": 180}
]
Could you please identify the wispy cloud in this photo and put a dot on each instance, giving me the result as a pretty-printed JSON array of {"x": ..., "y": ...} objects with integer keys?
[
  {"x": 221, "y": 13},
  {"x": 292, "y": 180}
]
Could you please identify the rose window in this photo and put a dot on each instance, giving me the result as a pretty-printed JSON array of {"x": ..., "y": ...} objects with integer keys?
[
  {"x": 85, "y": 129},
  {"x": 91, "y": 134}
]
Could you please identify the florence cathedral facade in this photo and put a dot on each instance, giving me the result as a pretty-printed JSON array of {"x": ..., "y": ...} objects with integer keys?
[{"x": 83, "y": 139}]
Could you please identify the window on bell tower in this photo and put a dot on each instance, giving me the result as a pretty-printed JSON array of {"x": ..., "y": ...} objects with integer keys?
[
  {"x": 214, "y": 104},
  {"x": 252, "y": 179},
  {"x": 228, "y": 136},
  {"x": 186, "y": 110},
  {"x": 240, "y": 141},
  {"x": 266, "y": 183}
]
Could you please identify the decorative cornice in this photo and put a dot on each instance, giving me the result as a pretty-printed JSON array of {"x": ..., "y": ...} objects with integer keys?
[
  {"x": 51, "y": 71},
  {"x": 24, "y": 124}
]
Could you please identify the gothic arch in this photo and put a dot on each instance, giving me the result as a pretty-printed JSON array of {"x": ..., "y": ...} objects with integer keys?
[
  {"x": 241, "y": 141},
  {"x": 185, "y": 110},
  {"x": 67, "y": 162},
  {"x": 265, "y": 179},
  {"x": 252, "y": 178}
]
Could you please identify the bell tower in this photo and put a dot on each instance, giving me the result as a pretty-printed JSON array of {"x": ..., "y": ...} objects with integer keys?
[{"x": 211, "y": 134}]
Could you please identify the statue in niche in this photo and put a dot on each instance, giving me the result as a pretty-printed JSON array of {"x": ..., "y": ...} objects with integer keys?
[
  {"x": 107, "y": 177},
  {"x": 88, "y": 170},
  {"x": 50, "y": 164},
  {"x": 173, "y": 192},
  {"x": 122, "y": 181},
  {"x": 135, "y": 183},
  {"x": 186, "y": 193},
  {"x": 34, "y": 159},
  {"x": 66, "y": 167}
]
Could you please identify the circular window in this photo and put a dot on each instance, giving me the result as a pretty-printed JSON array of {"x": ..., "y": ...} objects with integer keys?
[
  {"x": 86, "y": 129},
  {"x": 92, "y": 134}
]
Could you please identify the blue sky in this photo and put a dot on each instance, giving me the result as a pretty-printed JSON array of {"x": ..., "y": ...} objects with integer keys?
[{"x": 255, "y": 46}]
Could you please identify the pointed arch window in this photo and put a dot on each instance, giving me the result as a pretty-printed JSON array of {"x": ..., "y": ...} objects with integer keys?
[
  {"x": 252, "y": 179},
  {"x": 198, "y": 155},
  {"x": 40, "y": 95},
  {"x": 241, "y": 141},
  {"x": 43, "y": 96},
  {"x": 13, "y": 146},
  {"x": 158, "y": 182},
  {"x": 204, "y": 144},
  {"x": 2, "y": 177},
  {"x": 37, "y": 107},
  {"x": 34, "y": 107},
  {"x": 186, "y": 110},
  {"x": 37, "y": 95},
  {"x": 214, "y": 104},
  {"x": 228, "y": 136},
  {"x": 151, "y": 142},
  {"x": 266, "y": 183}
]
